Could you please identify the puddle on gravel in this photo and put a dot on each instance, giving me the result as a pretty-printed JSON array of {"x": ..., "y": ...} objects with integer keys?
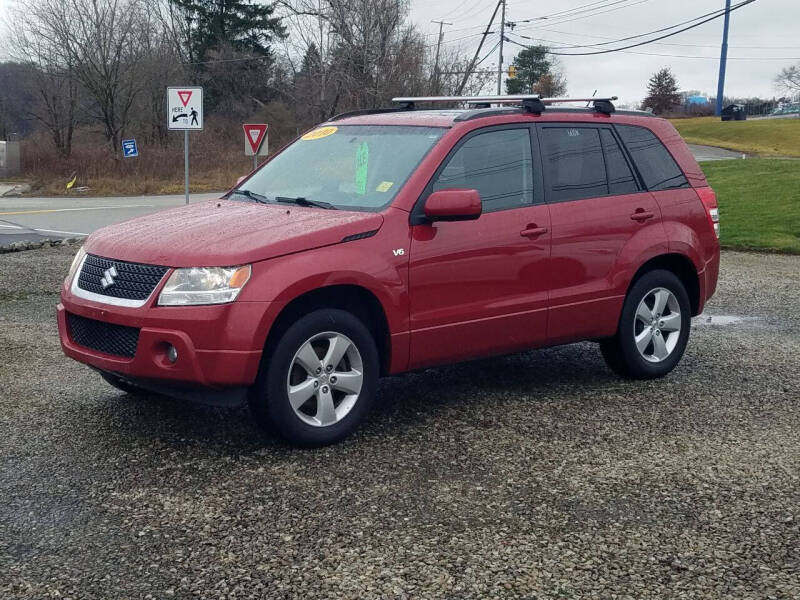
[{"x": 705, "y": 319}]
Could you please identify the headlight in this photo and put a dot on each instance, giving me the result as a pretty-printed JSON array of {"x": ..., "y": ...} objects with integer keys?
[
  {"x": 76, "y": 262},
  {"x": 204, "y": 285}
]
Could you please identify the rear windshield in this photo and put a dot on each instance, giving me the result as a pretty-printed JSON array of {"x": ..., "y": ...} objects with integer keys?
[{"x": 351, "y": 167}]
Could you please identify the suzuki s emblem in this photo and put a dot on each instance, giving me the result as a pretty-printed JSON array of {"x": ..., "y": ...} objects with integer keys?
[{"x": 109, "y": 274}]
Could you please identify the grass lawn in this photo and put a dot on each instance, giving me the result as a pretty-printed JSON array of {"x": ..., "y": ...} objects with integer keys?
[
  {"x": 759, "y": 202},
  {"x": 766, "y": 137}
]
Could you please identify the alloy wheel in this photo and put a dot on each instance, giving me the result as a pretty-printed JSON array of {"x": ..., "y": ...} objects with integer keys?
[
  {"x": 657, "y": 325},
  {"x": 325, "y": 379}
]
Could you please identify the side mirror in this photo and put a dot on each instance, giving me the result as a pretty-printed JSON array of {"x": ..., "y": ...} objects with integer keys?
[
  {"x": 453, "y": 205},
  {"x": 240, "y": 180}
]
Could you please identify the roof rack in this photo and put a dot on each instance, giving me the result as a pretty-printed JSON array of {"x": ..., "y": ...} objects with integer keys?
[{"x": 530, "y": 103}]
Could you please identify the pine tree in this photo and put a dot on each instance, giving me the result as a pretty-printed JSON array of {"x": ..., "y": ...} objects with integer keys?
[
  {"x": 241, "y": 25},
  {"x": 537, "y": 73},
  {"x": 228, "y": 43},
  {"x": 662, "y": 92},
  {"x": 531, "y": 63}
]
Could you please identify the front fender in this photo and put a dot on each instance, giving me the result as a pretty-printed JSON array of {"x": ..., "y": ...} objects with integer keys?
[{"x": 372, "y": 263}]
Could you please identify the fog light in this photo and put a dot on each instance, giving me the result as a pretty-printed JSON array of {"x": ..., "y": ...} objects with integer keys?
[{"x": 172, "y": 353}]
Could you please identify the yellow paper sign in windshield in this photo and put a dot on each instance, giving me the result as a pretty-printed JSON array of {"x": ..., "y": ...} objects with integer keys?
[{"x": 319, "y": 133}]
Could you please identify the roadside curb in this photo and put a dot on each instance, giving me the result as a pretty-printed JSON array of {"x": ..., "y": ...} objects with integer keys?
[{"x": 22, "y": 246}]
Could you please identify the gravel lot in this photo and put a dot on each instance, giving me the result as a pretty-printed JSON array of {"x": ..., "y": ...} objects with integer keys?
[{"x": 538, "y": 475}]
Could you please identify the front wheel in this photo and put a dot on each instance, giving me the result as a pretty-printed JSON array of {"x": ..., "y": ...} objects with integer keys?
[
  {"x": 320, "y": 379},
  {"x": 653, "y": 330}
]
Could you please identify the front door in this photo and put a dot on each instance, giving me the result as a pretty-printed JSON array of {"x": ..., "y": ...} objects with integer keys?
[{"x": 480, "y": 287}]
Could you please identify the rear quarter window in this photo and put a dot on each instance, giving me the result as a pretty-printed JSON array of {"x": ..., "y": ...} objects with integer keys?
[{"x": 656, "y": 165}]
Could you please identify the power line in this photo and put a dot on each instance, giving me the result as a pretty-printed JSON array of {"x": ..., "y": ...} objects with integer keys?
[
  {"x": 477, "y": 52},
  {"x": 674, "y": 55},
  {"x": 462, "y": 13},
  {"x": 545, "y": 17},
  {"x": 716, "y": 16},
  {"x": 569, "y": 20},
  {"x": 488, "y": 54},
  {"x": 605, "y": 37},
  {"x": 576, "y": 11},
  {"x": 475, "y": 9},
  {"x": 640, "y": 35}
]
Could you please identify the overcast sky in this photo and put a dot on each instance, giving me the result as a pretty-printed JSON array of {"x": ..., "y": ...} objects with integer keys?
[
  {"x": 764, "y": 37},
  {"x": 767, "y": 30}
]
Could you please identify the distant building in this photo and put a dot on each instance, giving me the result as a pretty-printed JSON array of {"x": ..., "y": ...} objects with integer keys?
[
  {"x": 9, "y": 159},
  {"x": 696, "y": 100}
]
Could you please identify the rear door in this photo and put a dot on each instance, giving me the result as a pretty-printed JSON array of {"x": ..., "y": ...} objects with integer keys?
[
  {"x": 480, "y": 287},
  {"x": 598, "y": 210}
]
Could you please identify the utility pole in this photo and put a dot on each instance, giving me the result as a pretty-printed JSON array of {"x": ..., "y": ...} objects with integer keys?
[
  {"x": 436, "y": 62},
  {"x": 478, "y": 51},
  {"x": 723, "y": 59},
  {"x": 500, "y": 58}
]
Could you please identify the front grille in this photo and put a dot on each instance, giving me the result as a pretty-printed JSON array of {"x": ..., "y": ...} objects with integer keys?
[
  {"x": 133, "y": 281},
  {"x": 118, "y": 340}
]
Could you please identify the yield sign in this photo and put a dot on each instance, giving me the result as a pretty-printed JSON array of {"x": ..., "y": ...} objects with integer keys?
[
  {"x": 254, "y": 134},
  {"x": 184, "y": 95}
]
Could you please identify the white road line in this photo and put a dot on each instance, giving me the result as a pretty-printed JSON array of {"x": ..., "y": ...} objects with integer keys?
[
  {"x": 64, "y": 232},
  {"x": 54, "y": 210},
  {"x": 44, "y": 230}
]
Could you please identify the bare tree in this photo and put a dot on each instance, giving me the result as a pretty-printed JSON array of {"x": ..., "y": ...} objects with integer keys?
[
  {"x": 104, "y": 42},
  {"x": 346, "y": 54},
  {"x": 551, "y": 85},
  {"x": 51, "y": 75},
  {"x": 788, "y": 80},
  {"x": 160, "y": 64}
]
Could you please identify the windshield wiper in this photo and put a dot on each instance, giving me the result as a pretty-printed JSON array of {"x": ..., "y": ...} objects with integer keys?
[
  {"x": 300, "y": 201},
  {"x": 251, "y": 195}
]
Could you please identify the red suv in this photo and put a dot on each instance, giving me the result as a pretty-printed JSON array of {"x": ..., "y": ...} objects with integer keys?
[{"x": 396, "y": 239}]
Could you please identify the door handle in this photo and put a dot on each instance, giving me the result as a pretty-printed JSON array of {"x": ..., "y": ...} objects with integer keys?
[
  {"x": 642, "y": 215},
  {"x": 533, "y": 231}
]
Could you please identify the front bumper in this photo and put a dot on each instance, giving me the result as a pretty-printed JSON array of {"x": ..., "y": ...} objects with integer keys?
[{"x": 218, "y": 346}]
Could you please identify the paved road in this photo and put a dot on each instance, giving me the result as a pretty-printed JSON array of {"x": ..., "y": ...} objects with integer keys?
[
  {"x": 31, "y": 219},
  {"x": 712, "y": 153}
]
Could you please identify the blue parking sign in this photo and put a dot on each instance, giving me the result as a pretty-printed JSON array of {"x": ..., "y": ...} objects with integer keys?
[{"x": 129, "y": 149}]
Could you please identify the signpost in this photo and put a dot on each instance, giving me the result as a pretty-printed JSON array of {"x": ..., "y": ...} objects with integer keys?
[
  {"x": 129, "y": 149},
  {"x": 185, "y": 112},
  {"x": 255, "y": 141}
]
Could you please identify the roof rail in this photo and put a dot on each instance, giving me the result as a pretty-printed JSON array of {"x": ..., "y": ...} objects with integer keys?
[
  {"x": 367, "y": 111},
  {"x": 530, "y": 102}
]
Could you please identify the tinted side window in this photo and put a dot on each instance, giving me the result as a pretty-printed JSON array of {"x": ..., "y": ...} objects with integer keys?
[
  {"x": 573, "y": 159},
  {"x": 659, "y": 170},
  {"x": 620, "y": 176},
  {"x": 497, "y": 164}
]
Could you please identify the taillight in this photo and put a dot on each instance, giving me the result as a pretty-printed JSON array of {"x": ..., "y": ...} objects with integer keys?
[{"x": 709, "y": 199}]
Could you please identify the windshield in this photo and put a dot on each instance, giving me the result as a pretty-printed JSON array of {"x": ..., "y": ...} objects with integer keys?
[{"x": 352, "y": 167}]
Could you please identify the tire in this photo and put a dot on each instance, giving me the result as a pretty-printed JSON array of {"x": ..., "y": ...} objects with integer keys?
[
  {"x": 657, "y": 315},
  {"x": 328, "y": 399},
  {"x": 124, "y": 386}
]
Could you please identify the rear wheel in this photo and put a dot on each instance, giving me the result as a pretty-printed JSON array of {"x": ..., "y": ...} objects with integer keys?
[
  {"x": 320, "y": 379},
  {"x": 653, "y": 330}
]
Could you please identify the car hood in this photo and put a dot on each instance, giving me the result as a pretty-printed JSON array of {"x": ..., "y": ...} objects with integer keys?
[{"x": 226, "y": 232}]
